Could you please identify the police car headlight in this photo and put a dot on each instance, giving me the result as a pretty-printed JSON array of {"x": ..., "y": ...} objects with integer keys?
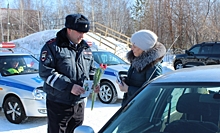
[{"x": 39, "y": 94}]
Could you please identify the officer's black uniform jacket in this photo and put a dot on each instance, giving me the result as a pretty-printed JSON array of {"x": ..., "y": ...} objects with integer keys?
[{"x": 62, "y": 65}]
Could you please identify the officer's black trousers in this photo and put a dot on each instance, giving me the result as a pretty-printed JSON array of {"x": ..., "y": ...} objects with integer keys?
[{"x": 64, "y": 118}]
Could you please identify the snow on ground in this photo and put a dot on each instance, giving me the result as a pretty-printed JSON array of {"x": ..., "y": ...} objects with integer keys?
[{"x": 95, "y": 118}]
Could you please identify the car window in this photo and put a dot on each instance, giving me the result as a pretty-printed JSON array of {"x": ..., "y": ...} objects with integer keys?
[
  {"x": 176, "y": 93},
  {"x": 107, "y": 58},
  {"x": 216, "y": 49},
  {"x": 26, "y": 63},
  {"x": 213, "y": 89},
  {"x": 31, "y": 62},
  {"x": 156, "y": 107},
  {"x": 206, "y": 49},
  {"x": 139, "y": 112},
  {"x": 195, "y": 49}
]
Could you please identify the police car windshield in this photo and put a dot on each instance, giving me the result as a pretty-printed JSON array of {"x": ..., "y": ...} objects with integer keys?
[
  {"x": 18, "y": 64},
  {"x": 107, "y": 58}
]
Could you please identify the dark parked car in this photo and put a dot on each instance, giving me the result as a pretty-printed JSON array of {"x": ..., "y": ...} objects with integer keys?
[
  {"x": 206, "y": 53},
  {"x": 182, "y": 101}
]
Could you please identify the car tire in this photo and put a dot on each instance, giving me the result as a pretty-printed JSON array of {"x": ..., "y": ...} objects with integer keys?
[
  {"x": 14, "y": 110},
  {"x": 107, "y": 93},
  {"x": 178, "y": 65}
]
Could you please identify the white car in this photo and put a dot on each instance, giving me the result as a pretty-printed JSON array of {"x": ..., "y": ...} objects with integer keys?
[
  {"x": 21, "y": 95},
  {"x": 109, "y": 90}
]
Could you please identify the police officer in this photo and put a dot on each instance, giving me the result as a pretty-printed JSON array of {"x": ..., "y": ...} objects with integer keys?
[
  {"x": 14, "y": 68},
  {"x": 65, "y": 63}
]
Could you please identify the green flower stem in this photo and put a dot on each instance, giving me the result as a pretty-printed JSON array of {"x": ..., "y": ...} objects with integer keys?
[
  {"x": 93, "y": 99},
  {"x": 96, "y": 81}
]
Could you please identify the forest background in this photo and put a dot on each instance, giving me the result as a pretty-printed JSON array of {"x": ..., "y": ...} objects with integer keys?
[{"x": 185, "y": 22}]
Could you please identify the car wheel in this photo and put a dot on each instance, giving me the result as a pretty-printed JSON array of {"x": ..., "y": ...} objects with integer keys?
[
  {"x": 14, "y": 110},
  {"x": 107, "y": 93},
  {"x": 178, "y": 65}
]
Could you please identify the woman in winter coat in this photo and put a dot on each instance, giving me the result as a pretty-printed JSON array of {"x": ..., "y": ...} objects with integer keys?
[{"x": 145, "y": 57}]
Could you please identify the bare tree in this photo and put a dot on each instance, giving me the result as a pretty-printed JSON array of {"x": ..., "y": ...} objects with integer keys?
[
  {"x": 190, "y": 21},
  {"x": 214, "y": 28}
]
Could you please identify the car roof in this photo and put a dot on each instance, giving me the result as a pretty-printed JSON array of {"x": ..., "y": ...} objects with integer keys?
[
  {"x": 97, "y": 50},
  {"x": 211, "y": 43},
  {"x": 209, "y": 73},
  {"x": 100, "y": 51},
  {"x": 12, "y": 54}
]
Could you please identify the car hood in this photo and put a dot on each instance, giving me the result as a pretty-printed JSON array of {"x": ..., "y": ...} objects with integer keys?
[
  {"x": 180, "y": 55},
  {"x": 122, "y": 67},
  {"x": 110, "y": 70},
  {"x": 28, "y": 81}
]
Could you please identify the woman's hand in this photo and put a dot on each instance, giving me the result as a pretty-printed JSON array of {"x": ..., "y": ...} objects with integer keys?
[{"x": 123, "y": 87}]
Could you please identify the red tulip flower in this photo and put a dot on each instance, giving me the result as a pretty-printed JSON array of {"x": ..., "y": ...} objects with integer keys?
[{"x": 96, "y": 80}]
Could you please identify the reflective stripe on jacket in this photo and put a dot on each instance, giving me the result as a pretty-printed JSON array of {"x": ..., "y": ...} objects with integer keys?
[{"x": 61, "y": 66}]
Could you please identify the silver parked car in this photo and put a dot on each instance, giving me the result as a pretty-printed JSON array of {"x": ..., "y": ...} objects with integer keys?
[
  {"x": 109, "y": 89},
  {"x": 21, "y": 94},
  {"x": 182, "y": 101}
]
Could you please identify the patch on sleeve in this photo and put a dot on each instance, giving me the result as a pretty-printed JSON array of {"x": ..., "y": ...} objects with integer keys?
[{"x": 43, "y": 55}]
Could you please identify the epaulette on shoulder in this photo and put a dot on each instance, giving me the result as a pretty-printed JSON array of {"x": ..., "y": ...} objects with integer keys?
[{"x": 51, "y": 41}]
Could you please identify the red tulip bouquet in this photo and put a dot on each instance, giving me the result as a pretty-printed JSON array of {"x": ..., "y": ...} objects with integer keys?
[{"x": 98, "y": 73}]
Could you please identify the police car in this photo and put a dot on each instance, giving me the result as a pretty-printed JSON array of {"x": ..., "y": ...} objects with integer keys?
[
  {"x": 109, "y": 89},
  {"x": 21, "y": 93}
]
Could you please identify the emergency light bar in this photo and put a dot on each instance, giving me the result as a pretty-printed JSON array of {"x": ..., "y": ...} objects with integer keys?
[
  {"x": 7, "y": 45},
  {"x": 89, "y": 43}
]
